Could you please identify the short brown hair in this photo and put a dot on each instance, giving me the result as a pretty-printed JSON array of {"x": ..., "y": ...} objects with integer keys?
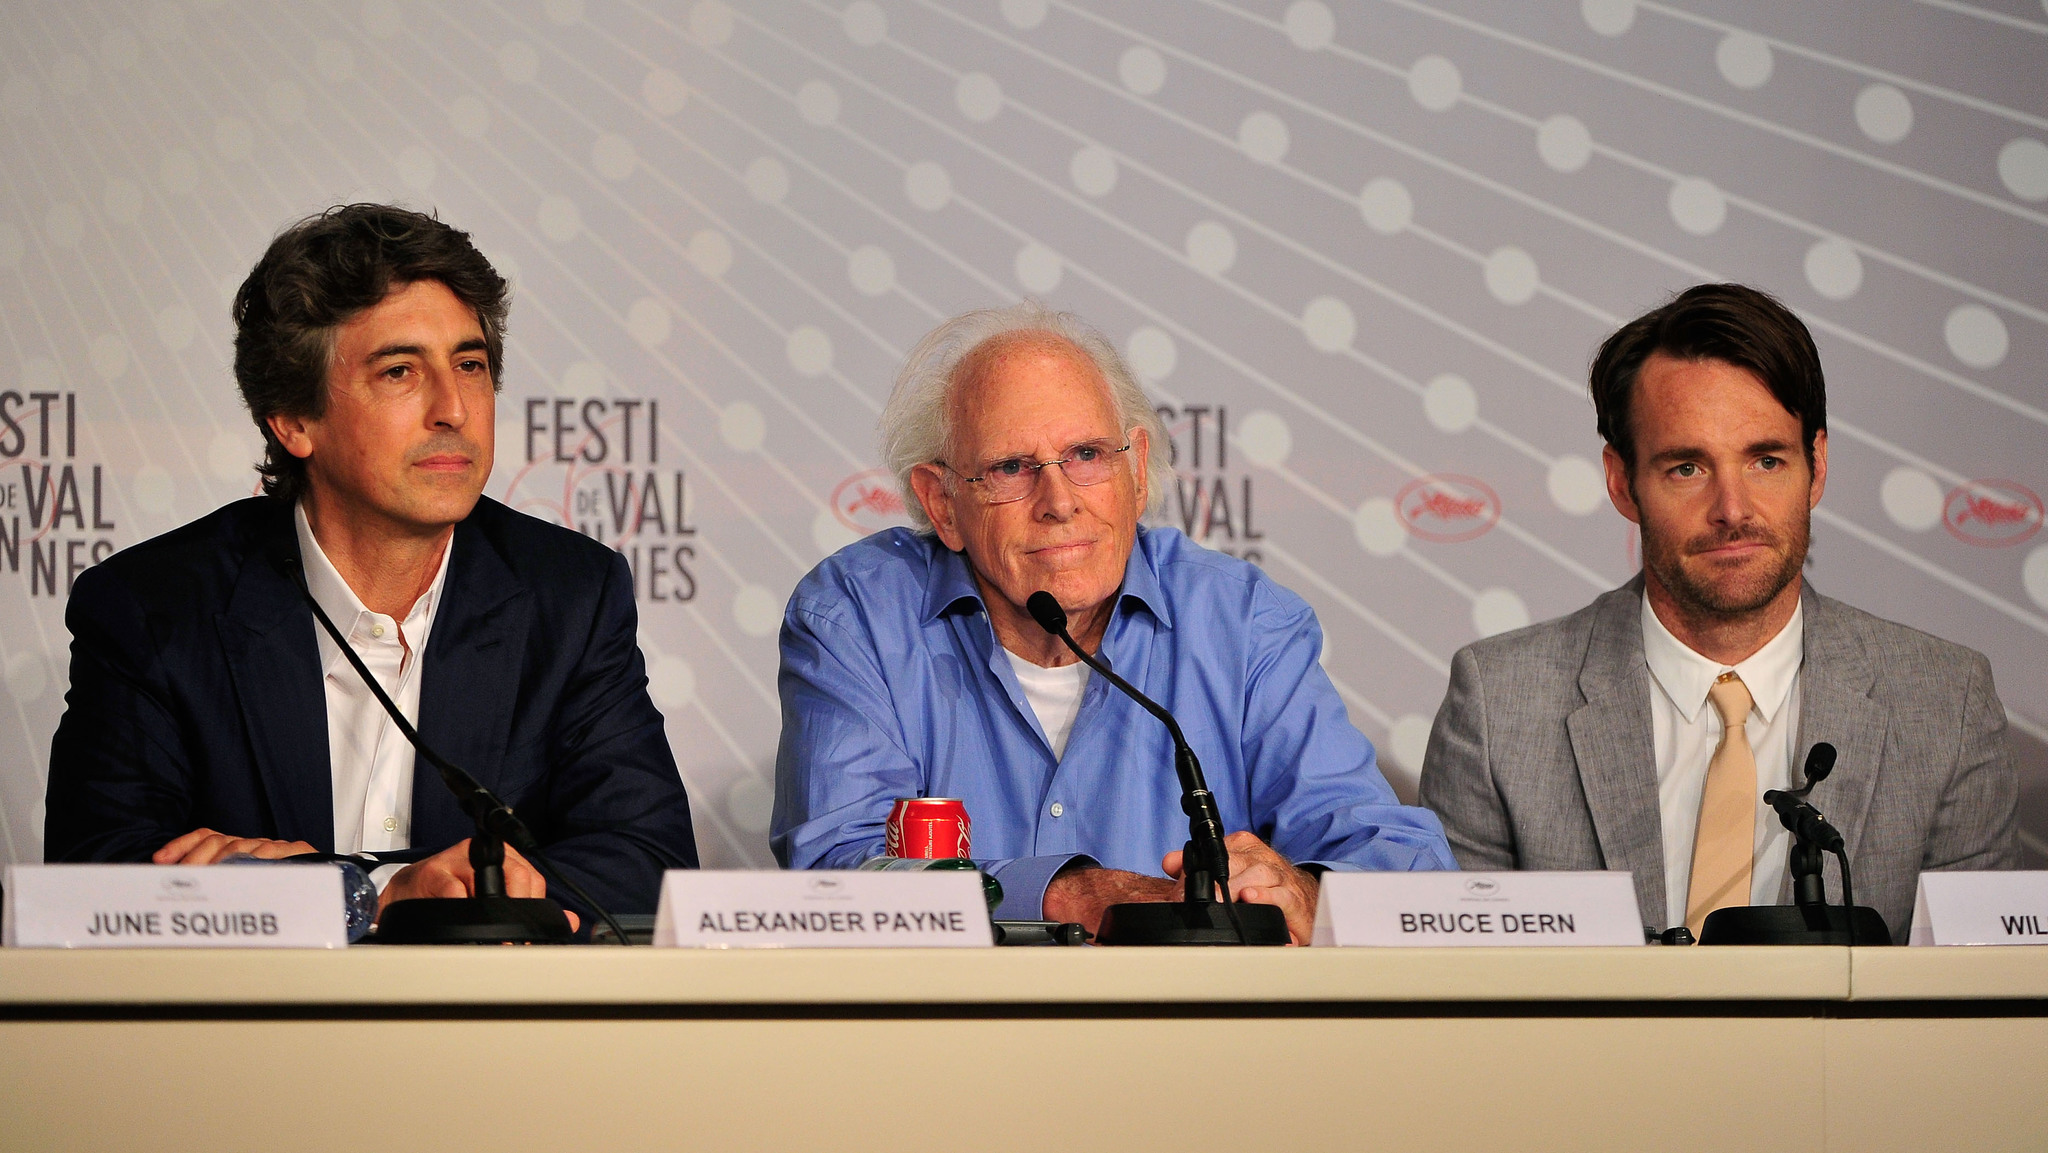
[
  {"x": 1742, "y": 326},
  {"x": 314, "y": 277}
]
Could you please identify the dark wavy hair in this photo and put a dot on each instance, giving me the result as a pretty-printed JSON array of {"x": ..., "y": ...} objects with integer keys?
[
  {"x": 317, "y": 275},
  {"x": 1742, "y": 326}
]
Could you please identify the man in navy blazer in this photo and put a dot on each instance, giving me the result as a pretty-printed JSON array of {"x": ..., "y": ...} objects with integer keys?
[{"x": 207, "y": 716}]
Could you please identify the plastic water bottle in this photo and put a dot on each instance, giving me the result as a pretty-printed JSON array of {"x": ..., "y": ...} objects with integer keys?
[
  {"x": 358, "y": 892},
  {"x": 991, "y": 889}
]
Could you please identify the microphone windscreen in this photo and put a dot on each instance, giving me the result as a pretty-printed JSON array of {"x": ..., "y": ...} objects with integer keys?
[
  {"x": 1045, "y": 609},
  {"x": 1820, "y": 761}
]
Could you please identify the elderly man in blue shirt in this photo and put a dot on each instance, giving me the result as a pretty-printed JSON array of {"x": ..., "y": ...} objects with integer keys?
[{"x": 910, "y": 666}]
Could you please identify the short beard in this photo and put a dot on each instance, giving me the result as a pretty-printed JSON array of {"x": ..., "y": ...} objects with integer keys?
[{"x": 1705, "y": 600}]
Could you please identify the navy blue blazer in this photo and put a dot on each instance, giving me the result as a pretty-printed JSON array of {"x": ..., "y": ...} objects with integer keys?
[{"x": 196, "y": 700}]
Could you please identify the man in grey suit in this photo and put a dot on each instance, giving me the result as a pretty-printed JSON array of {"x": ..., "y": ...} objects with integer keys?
[{"x": 1640, "y": 732}]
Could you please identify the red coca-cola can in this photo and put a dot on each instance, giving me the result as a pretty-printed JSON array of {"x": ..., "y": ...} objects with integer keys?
[{"x": 928, "y": 827}]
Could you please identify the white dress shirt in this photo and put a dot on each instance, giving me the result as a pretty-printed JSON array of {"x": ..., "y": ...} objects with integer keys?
[
  {"x": 1687, "y": 731},
  {"x": 370, "y": 760},
  {"x": 1054, "y": 695}
]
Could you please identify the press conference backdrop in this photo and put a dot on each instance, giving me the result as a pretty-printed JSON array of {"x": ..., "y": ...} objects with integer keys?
[{"x": 1359, "y": 252}]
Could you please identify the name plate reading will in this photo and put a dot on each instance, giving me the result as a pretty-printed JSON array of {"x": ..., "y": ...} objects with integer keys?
[
  {"x": 2007, "y": 908},
  {"x": 1478, "y": 909},
  {"x": 760, "y": 909},
  {"x": 174, "y": 907}
]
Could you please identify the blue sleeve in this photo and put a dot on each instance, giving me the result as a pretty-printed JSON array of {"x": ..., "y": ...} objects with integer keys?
[
  {"x": 1317, "y": 794},
  {"x": 120, "y": 781},
  {"x": 843, "y": 759},
  {"x": 613, "y": 813}
]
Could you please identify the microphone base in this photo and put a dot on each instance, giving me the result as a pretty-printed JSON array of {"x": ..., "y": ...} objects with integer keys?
[
  {"x": 473, "y": 921},
  {"x": 1190, "y": 923},
  {"x": 1795, "y": 925}
]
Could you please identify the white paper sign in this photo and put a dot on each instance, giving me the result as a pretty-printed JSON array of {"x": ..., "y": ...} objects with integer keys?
[
  {"x": 174, "y": 906},
  {"x": 1478, "y": 909},
  {"x": 757, "y": 909},
  {"x": 2009, "y": 908}
]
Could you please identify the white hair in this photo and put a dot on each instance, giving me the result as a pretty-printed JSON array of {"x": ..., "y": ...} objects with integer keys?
[{"x": 917, "y": 423}]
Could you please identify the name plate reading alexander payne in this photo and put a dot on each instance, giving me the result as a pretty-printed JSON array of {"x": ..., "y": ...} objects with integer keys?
[
  {"x": 2004, "y": 908},
  {"x": 759, "y": 909},
  {"x": 1477, "y": 909},
  {"x": 174, "y": 907}
]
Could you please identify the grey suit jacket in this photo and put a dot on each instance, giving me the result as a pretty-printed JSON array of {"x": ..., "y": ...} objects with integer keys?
[{"x": 1542, "y": 758}]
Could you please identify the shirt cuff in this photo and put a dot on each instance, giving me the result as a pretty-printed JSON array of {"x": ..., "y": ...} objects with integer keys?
[
  {"x": 1024, "y": 880},
  {"x": 381, "y": 876}
]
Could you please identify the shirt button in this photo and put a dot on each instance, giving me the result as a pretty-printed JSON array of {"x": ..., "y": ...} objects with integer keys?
[
  {"x": 376, "y": 630},
  {"x": 391, "y": 824},
  {"x": 1058, "y": 809}
]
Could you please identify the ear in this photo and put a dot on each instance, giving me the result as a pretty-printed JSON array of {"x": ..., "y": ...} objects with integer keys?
[
  {"x": 928, "y": 483},
  {"x": 1618, "y": 492},
  {"x": 1820, "y": 468},
  {"x": 290, "y": 432},
  {"x": 1141, "y": 459}
]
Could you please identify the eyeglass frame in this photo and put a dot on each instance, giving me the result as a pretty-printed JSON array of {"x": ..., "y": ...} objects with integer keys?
[{"x": 1038, "y": 468}]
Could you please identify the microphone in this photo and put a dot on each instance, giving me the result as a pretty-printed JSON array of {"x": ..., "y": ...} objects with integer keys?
[
  {"x": 1205, "y": 860},
  {"x": 491, "y": 915},
  {"x": 1809, "y": 920},
  {"x": 1800, "y": 818}
]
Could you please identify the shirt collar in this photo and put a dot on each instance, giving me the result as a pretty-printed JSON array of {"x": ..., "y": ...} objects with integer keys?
[
  {"x": 952, "y": 581},
  {"x": 1685, "y": 676},
  {"x": 340, "y": 602}
]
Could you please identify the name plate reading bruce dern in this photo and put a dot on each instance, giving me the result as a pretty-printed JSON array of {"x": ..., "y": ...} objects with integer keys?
[
  {"x": 758, "y": 909},
  {"x": 1419, "y": 909},
  {"x": 174, "y": 907},
  {"x": 2006, "y": 908}
]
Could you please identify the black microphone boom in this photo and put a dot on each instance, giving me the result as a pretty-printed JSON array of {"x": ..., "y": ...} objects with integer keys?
[
  {"x": 489, "y": 917},
  {"x": 1205, "y": 860}
]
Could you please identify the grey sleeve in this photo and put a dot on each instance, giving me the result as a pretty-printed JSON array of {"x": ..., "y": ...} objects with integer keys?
[
  {"x": 1977, "y": 826},
  {"x": 1457, "y": 774}
]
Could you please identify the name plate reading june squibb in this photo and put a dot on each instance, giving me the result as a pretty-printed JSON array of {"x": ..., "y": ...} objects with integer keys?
[
  {"x": 174, "y": 907},
  {"x": 2006, "y": 908},
  {"x": 1424, "y": 909},
  {"x": 760, "y": 909}
]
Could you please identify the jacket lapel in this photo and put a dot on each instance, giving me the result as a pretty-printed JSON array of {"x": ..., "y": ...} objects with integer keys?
[
  {"x": 266, "y": 635},
  {"x": 1616, "y": 754},
  {"x": 470, "y": 682},
  {"x": 1835, "y": 707}
]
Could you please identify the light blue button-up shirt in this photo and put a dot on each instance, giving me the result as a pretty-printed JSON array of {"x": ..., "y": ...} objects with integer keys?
[{"x": 893, "y": 685}]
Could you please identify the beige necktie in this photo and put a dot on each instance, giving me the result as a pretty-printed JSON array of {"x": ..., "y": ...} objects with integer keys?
[{"x": 1723, "y": 846}]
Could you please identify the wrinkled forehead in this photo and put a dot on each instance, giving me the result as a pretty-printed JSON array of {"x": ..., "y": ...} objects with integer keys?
[{"x": 1028, "y": 392}]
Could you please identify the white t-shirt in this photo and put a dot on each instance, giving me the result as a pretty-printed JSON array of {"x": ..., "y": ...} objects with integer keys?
[{"x": 1055, "y": 696}]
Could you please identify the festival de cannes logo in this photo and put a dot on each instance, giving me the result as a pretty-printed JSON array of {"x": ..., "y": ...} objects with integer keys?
[
  {"x": 868, "y": 502},
  {"x": 1447, "y": 508},
  {"x": 1992, "y": 513}
]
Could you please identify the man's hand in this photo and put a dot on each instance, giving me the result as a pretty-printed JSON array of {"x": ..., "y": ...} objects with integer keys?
[
  {"x": 1082, "y": 894},
  {"x": 204, "y": 847},
  {"x": 448, "y": 874},
  {"x": 1261, "y": 876}
]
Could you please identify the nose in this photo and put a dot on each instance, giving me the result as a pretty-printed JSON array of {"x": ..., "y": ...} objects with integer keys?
[
  {"x": 1733, "y": 505},
  {"x": 449, "y": 403},
  {"x": 1056, "y": 497}
]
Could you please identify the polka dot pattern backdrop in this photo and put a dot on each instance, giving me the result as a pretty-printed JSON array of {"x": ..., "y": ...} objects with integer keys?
[{"x": 1360, "y": 254}]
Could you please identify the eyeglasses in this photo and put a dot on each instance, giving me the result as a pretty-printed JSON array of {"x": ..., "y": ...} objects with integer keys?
[{"x": 1014, "y": 477}]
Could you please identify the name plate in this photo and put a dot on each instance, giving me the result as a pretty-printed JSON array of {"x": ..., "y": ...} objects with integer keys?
[
  {"x": 2008, "y": 908},
  {"x": 1478, "y": 909},
  {"x": 173, "y": 907},
  {"x": 761, "y": 909}
]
